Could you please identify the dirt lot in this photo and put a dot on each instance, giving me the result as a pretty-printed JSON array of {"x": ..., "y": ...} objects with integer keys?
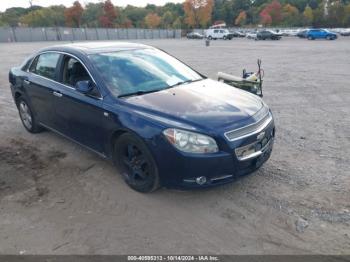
[{"x": 57, "y": 198}]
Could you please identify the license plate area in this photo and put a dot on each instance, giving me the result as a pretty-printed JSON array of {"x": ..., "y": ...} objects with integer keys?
[{"x": 256, "y": 149}]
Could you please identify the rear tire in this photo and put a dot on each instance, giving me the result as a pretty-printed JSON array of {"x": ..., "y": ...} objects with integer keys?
[
  {"x": 27, "y": 117},
  {"x": 210, "y": 38},
  {"x": 136, "y": 163},
  {"x": 310, "y": 38}
]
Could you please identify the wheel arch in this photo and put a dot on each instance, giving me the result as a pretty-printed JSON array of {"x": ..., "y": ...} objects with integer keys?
[
  {"x": 118, "y": 133},
  {"x": 16, "y": 96}
]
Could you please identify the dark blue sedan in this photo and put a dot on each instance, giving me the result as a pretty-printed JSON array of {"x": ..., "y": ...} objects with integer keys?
[{"x": 161, "y": 122}]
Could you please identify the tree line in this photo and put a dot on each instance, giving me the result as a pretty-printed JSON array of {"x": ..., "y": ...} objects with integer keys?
[{"x": 190, "y": 14}]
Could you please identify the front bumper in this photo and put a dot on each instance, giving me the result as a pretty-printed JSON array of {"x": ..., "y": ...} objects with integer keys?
[{"x": 179, "y": 170}]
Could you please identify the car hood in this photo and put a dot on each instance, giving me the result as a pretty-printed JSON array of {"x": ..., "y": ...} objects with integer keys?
[{"x": 206, "y": 104}]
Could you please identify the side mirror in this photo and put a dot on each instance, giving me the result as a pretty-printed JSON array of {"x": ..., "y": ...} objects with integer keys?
[{"x": 84, "y": 86}]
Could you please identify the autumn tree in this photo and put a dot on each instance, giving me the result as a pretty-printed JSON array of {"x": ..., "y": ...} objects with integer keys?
[
  {"x": 241, "y": 18},
  {"x": 291, "y": 16},
  {"x": 190, "y": 14},
  {"x": 152, "y": 20},
  {"x": 272, "y": 13},
  {"x": 308, "y": 15},
  {"x": 73, "y": 14},
  {"x": 198, "y": 12},
  {"x": 109, "y": 14}
]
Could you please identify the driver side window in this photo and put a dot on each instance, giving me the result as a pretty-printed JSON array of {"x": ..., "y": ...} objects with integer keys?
[{"x": 73, "y": 72}]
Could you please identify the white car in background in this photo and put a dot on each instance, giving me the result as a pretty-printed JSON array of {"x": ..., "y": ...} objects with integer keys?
[
  {"x": 251, "y": 36},
  {"x": 218, "y": 33}
]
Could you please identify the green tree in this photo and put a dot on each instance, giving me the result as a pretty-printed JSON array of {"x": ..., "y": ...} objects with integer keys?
[
  {"x": 91, "y": 14},
  {"x": 175, "y": 9},
  {"x": 336, "y": 14},
  {"x": 319, "y": 19},
  {"x": 167, "y": 19},
  {"x": 308, "y": 15},
  {"x": 12, "y": 15},
  {"x": 346, "y": 19},
  {"x": 50, "y": 16},
  {"x": 177, "y": 23},
  {"x": 135, "y": 14}
]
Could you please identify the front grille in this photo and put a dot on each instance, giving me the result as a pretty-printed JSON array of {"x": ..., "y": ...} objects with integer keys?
[{"x": 251, "y": 129}]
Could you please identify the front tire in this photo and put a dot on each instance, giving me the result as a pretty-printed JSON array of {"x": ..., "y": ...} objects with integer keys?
[
  {"x": 27, "y": 117},
  {"x": 136, "y": 163}
]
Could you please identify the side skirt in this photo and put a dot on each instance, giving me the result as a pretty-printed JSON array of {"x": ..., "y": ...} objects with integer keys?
[{"x": 73, "y": 140}]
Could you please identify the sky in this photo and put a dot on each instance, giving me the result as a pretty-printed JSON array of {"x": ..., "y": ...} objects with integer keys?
[{"x": 4, "y": 4}]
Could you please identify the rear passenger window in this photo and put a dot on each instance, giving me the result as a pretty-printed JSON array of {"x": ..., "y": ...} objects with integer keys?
[
  {"x": 216, "y": 31},
  {"x": 45, "y": 65}
]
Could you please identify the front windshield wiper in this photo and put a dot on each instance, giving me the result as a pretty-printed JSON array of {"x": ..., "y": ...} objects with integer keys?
[
  {"x": 138, "y": 93},
  {"x": 185, "y": 82}
]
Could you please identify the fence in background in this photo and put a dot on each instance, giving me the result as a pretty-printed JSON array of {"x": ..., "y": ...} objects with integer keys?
[{"x": 28, "y": 34}]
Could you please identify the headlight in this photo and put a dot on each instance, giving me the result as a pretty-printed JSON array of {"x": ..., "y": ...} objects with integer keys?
[{"x": 190, "y": 142}]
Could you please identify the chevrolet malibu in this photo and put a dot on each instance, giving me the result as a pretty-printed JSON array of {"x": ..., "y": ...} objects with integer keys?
[{"x": 161, "y": 122}]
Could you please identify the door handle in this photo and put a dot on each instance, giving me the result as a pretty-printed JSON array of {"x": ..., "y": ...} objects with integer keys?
[
  {"x": 26, "y": 81},
  {"x": 58, "y": 94}
]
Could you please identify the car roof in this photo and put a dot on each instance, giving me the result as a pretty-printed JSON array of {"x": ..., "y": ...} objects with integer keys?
[{"x": 87, "y": 48}]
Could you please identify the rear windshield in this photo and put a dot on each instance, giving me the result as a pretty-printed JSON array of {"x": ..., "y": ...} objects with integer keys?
[{"x": 141, "y": 70}]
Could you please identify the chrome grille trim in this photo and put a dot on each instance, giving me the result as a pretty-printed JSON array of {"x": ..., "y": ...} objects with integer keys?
[{"x": 249, "y": 130}]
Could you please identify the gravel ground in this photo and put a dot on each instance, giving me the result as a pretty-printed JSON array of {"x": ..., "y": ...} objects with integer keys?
[{"x": 58, "y": 198}]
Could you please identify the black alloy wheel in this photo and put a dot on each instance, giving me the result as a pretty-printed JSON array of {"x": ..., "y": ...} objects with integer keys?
[{"x": 136, "y": 163}]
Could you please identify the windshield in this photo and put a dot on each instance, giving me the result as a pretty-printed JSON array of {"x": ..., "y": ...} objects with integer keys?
[{"x": 141, "y": 71}]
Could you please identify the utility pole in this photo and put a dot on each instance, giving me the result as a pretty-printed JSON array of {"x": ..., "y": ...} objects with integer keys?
[{"x": 31, "y": 8}]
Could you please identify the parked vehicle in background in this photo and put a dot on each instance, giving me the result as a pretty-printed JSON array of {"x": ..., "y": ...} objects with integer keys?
[
  {"x": 194, "y": 35},
  {"x": 289, "y": 32},
  {"x": 218, "y": 34},
  {"x": 302, "y": 33},
  {"x": 313, "y": 34},
  {"x": 345, "y": 32},
  {"x": 250, "y": 35},
  {"x": 238, "y": 34},
  {"x": 268, "y": 34}
]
